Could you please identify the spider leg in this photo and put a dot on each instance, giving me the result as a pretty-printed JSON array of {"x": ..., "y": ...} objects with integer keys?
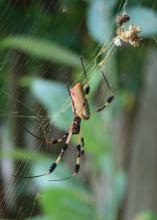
[
  {"x": 54, "y": 164},
  {"x": 78, "y": 148},
  {"x": 77, "y": 166},
  {"x": 82, "y": 146},
  {"x": 107, "y": 102},
  {"x": 51, "y": 141},
  {"x": 86, "y": 87},
  {"x": 110, "y": 99},
  {"x": 31, "y": 133},
  {"x": 59, "y": 158},
  {"x": 55, "y": 141}
]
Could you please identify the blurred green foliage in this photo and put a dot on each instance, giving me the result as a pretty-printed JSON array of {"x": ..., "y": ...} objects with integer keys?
[
  {"x": 42, "y": 49},
  {"x": 69, "y": 204},
  {"x": 146, "y": 215},
  {"x": 53, "y": 36}
]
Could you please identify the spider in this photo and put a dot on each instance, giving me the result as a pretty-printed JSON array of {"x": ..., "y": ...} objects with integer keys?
[
  {"x": 121, "y": 19},
  {"x": 81, "y": 111}
]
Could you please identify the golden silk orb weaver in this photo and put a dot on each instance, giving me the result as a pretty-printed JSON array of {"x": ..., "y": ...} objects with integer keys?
[{"x": 81, "y": 111}]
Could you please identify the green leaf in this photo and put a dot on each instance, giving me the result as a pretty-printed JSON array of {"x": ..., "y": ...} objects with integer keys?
[
  {"x": 22, "y": 154},
  {"x": 56, "y": 100},
  {"x": 67, "y": 204},
  {"x": 146, "y": 215},
  {"x": 145, "y": 18},
  {"x": 42, "y": 49}
]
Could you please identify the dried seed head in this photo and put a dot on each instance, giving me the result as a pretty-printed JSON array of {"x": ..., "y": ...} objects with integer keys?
[{"x": 129, "y": 36}]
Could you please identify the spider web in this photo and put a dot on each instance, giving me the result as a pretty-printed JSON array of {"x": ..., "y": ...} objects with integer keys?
[
  {"x": 10, "y": 195},
  {"x": 9, "y": 190},
  {"x": 105, "y": 52}
]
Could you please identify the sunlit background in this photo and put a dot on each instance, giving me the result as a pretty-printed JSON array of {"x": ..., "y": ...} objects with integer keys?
[{"x": 40, "y": 49}]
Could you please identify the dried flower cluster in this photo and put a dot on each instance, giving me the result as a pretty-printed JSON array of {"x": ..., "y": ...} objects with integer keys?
[{"x": 129, "y": 36}]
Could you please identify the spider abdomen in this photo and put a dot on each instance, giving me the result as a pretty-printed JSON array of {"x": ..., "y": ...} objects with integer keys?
[{"x": 79, "y": 102}]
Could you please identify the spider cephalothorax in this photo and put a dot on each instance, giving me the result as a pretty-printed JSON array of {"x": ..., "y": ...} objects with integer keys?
[{"x": 81, "y": 111}]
